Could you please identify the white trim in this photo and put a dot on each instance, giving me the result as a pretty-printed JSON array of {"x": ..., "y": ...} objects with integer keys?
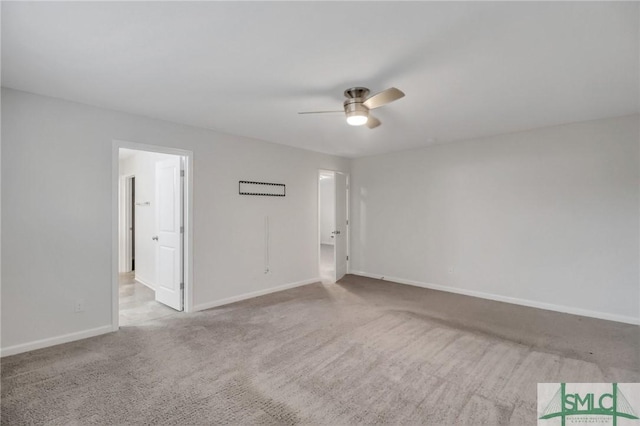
[
  {"x": 53, "y": 341},
  {"x": 319, "y": 224},
  {"x": 253, "y": 294},
  {"x": 126, "y": 254},
  {"x": 115, "y": 214},
  {"x": 144, "y": 283},
  {"x": 348, "y": 226},
  {"x": 348, "y": 223},
  {"x": 507, "y": 299}
]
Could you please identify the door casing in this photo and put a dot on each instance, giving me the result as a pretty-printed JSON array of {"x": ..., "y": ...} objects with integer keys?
[{"x": 129, "y": 223}]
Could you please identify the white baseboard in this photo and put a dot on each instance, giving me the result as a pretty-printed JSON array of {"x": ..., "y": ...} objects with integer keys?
[
  {"x": 145, "y": 283},
  {"x": 233, "y": 299},
  {"x": 53, "y": 341},
  {"x": 507, "y": 299}
]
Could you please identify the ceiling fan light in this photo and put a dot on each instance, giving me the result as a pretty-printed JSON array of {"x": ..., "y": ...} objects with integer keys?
[{"x": 357, "y": 118}]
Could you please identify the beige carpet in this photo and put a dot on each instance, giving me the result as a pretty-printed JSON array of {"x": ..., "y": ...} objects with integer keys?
[{"x": 361, "y": 351}]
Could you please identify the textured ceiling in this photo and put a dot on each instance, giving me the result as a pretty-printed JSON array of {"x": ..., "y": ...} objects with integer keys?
[{"x": 468, "y": 69}]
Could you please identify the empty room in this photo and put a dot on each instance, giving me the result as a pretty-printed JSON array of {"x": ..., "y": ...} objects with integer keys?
[{"x": 321, "y": 213}]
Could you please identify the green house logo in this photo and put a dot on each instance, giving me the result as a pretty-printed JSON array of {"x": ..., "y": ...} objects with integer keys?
[{"x": 586, "y": 404}]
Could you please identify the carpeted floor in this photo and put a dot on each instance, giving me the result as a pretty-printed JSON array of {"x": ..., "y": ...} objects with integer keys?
[{"x": 360, "y": 351}]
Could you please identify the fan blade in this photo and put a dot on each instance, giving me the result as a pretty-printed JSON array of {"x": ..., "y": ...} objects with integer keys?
[
  {"x": 383, "y": 98},
  {"x": 320, "y": 112},
  {"x": 373, "y": 122}
]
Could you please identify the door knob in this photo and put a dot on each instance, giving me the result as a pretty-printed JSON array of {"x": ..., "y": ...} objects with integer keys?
[{"x": 155, "y": 238}]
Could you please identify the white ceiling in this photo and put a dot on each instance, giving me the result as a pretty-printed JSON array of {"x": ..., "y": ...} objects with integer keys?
[{"x": 468, "y": 69}]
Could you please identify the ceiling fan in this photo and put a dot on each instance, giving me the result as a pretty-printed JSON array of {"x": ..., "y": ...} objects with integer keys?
[{"x": 358, "y": 104}]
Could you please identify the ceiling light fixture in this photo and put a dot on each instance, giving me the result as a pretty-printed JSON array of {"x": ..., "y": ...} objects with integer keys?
[
  {"x": 357, "y": 114},
  {"x": 357, "y": 118},
  {"x": 358, "y": 104}
]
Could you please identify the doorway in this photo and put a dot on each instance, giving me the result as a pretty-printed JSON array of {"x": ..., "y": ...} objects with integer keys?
[
  {"x": 129, "y": 206},
  {"x": 327, "y": 226},
  {"x": 152, "y": 230},
  {"x": 333, "y": 225},
  {"x": 132, "y": 225}
]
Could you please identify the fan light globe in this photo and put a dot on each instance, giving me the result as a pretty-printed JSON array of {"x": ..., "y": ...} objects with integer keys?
[{"x": 357, "y": 118}]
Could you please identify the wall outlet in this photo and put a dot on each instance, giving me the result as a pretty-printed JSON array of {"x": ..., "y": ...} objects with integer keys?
[{"x": 79, "y": 306}]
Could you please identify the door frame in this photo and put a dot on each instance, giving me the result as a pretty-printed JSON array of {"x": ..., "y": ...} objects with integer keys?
[
  {"x": 126, "y": 254},
  {"x": 187, "y": 217},
  {"x": 348, "y": 208}
]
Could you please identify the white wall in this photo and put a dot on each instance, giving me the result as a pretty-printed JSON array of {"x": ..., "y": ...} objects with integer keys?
[
  {"x": 549, "y": 216},
  {"x": 56, "y": 216},
  {"x": 327, "y": 208},
  {"x": 143, "y": 165}
]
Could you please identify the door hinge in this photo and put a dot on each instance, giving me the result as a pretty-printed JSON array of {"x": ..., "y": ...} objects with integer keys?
[
  {"x": 181, "y": 286},
  {"x": 347, "y": 257},
  {"x": 347, "y": 221},
  {"x": 182, "y": 229},
  {"x": 181, "y": 173}
]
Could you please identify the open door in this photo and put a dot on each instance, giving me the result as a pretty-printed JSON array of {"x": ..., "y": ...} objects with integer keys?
[
  {"x": 169, "y": 287},
  {"x": 341, "y": 225}
]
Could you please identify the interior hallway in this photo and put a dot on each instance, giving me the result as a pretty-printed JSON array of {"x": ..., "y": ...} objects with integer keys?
[
  {"x": 137, "y": 302},
  {"x": 360, "y": 351},
  {"x": 327, "y": 263}
]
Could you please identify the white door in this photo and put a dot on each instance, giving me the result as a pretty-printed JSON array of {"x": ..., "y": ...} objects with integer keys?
[
  {"x": 168, "y": 233},
  {"x": 341, "y": 225}
]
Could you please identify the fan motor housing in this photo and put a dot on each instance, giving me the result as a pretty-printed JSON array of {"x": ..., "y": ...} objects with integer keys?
[
  {"x": 356, "y": 92},
  {"x": 355, "y": 105},
  {"x": 355, "y": 97}
]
